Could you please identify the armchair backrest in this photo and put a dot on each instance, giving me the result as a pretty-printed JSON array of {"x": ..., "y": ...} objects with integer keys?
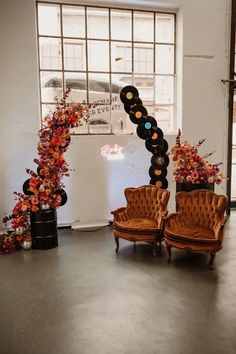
[
  {"x": 147, "y": 201},
  {"x": 201, "y": 207}
]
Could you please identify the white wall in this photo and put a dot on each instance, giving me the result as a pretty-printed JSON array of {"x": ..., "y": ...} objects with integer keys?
[{"x": 96, "y": 186}]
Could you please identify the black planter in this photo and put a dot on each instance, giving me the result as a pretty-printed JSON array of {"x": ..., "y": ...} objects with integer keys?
[
  {"x": 44, "y": 229},
  {"x": 188, "y": 187}
]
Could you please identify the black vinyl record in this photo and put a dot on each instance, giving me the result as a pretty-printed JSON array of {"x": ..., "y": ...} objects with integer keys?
[
  {"x": 161, "y": 183},
  {"x": 38, "y": 171},
  {"x": 26, "y": 187},
  {"x": 160, "y": 148},
  {"x": 127, "y": 107},
  {"x": 160, "y": 161},
  {"x": 145, "y": 129},
  {"x": 129, "y": 94},
  {"x": 157, "y": 173},
  {"x": 157, "y": 135},
  {"x": 63, "y": 196},
  {"x": 150, "y": 123},
  {"x": 142, "y": 132},
  {"x": 138, "y": 114}
]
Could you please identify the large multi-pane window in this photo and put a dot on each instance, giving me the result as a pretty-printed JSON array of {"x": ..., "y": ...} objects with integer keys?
[{"x": 96, "y": 51}]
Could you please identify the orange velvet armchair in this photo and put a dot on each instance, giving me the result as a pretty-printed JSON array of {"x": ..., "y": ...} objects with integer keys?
[
  {"x": 198, "y": 226},
  {"x": 142, "y": 218}
]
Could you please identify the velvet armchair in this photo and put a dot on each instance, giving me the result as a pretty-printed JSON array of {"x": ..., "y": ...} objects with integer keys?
[
  {"x": 198, "y": 226},
  {"x": 142, "y": 218}
]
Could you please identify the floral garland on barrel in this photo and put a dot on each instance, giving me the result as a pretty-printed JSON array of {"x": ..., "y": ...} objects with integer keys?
[
  {"x": 190, "y": 167},
  {"x": 44, "y": 188}
]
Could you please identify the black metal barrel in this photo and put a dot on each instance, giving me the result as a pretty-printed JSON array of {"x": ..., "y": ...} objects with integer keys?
[
  {"x": 189, "y": 187},
  {"x": 44, "y": 229}
]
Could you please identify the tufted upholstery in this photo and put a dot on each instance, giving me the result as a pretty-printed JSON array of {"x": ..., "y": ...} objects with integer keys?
[
  {"x": 199, "y": 223},
  {"x": 142, "y": 218}
]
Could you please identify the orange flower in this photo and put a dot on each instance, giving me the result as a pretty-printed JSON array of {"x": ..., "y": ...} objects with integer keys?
[
  {"x": 34, "y": 208},
  {"x": 55, "y": 155}
]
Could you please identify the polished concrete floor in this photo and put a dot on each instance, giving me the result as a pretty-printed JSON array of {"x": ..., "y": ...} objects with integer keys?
[{"x": 80, "y": 298}]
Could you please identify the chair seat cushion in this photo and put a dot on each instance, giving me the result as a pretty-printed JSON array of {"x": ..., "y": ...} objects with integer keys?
[
  {"x": 137, "y": 226},
  {"x": 191, "y": 233}
]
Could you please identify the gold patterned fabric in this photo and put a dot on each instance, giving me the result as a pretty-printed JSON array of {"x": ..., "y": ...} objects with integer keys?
[
  {"x": 142, "y": 218},
  {"x": 199, "y": 223}
]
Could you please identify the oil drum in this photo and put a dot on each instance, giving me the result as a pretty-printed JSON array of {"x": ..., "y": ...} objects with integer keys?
[{"x": 44, "y": 229}]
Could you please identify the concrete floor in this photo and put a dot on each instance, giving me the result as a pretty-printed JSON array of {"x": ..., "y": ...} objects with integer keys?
[{"x": 80, "y": 298}]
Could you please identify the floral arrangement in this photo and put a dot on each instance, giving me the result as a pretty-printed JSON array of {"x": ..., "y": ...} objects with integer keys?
[
  {"x": 44, "y": 188},
  {"x": 190, "y": 167}
]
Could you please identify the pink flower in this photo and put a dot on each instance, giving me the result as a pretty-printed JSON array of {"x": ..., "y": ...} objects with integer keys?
[
  {"x": 189, "y": 166},
  {"x": 35, "y": 201}
]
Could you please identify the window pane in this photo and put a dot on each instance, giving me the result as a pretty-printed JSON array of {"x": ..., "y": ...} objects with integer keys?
[
  {"x": 165, "y": 28},
  {"x": 164, "y": 59},
  {"x": 118, "y": 82},
  {"x": 50, "y": 53},
  {"x": 164, "y": 117},
  {"x": 143, "y": 26},
  {"x": 100, "y": 123},
  {"x": 98, "y": 24},
  {"x": 143, "y": 58},
  {"x": 49, "y": 19},
  {"x": 46, "y": 109},
  {"x": 98, "y": 56},
  {"x": 77, "y": 83},
  {"x": 121, "y": 123},
  {"x": 74, "y": 55},
  {"x": 121, "y": 24},
  {"x": 51, "y": 86},
  {"x": 145, "y": 86},
  {"x": 73, "y": 21},
  {"x": 121, "y": 56},
  {"x": 99, "y": 89},
  {"x": 164, "y": 90}
]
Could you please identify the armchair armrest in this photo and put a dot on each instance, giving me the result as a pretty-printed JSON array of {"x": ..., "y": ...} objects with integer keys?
[
  {"x": 218, "y": 230},
  {"x": 161, "y": 220},
  {"x": 119, "y": 214},
  {"x": 173, "y": 219},
  {"x": 116, "y": 211}
]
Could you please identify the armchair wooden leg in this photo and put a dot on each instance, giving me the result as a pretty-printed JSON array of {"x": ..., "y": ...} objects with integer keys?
[
  {"x": 154, "y": 248},
  {"x": 159, "y": 249},
  {"x": 212, "y": 255},
  {"x": 117, "y": 244},
  {"x": 169, "y": 253}
]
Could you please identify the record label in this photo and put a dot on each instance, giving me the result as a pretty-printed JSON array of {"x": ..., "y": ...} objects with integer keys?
[
  {"x": 129, "y": 95},
  {"x": 148, "y": 125},
  {"x": 138, "y": 114}
]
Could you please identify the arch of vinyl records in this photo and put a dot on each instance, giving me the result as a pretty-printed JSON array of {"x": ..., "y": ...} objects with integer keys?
[{"x": 148, "y": 130}]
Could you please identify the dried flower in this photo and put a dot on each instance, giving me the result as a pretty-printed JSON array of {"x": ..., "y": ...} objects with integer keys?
[
  {"x": 54, "y": 140},
  {"x": 189, "y": 166}
]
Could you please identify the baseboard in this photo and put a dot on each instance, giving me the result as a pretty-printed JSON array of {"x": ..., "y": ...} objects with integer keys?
[{"x": 89, "y": 225}]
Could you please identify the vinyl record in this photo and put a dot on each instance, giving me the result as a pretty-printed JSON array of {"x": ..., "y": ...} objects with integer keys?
[
  {"x": 157, "y": 173},
  {"x": 38, "y": 171},
  {"x": 127, "y": 107},
  {"x": 162, "y": 183},
  {"x": 142, "y": 132},
  {"x": 63, "y": 196},
  {"x": 26, "y": 187},
  {"x": 160, "y": 161},
  {"x": 138, "y": 114},
  {"x": 160, "y": 148},
  {"x": 150, "y": 123},
  {"x": 157, "y": 135},
  {"x": 129, "y": 94}
]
